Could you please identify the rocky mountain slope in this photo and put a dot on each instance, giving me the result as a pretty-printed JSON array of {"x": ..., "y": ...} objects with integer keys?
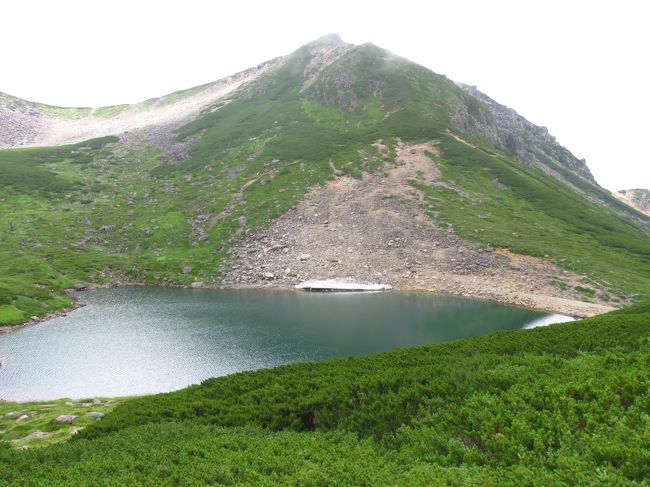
[
  {"x": 505, "y": 128},
  {"x": 28, "y": 124},
  {"x": 375, "y": 167},
  {"x": 636, "y": 198}
]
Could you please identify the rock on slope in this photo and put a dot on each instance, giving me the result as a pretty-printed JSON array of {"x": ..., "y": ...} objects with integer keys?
[{"x": 636, "y": 198}]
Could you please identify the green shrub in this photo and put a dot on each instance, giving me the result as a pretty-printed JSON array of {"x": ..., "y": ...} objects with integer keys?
[{"x": 565, "y": 404}]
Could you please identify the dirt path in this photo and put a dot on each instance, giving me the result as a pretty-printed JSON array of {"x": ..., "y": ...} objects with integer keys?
[{"x": 374, "y": 230}]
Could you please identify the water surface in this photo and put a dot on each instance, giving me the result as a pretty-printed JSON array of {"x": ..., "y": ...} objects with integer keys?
[{"x": 144, "y": 340}]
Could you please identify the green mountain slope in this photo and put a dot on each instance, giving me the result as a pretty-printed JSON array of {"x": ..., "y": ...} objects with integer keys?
[
  {"x": 564, "y": 405},
  {"x": 127, "y": 209}
]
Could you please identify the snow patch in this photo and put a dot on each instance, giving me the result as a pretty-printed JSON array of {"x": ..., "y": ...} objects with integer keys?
[
  {"x": 548, "y": 320},
  {"x": 346, "y": 285}
]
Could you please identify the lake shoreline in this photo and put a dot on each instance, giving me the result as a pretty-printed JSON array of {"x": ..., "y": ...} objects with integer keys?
[
  {"x": 133, "y": 340},
  {"x": 535, "y": 302},
  {"x": 50, "y": 316}
]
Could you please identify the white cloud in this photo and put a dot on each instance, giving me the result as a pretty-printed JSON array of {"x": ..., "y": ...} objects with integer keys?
[{"x": 579, "y": 68}]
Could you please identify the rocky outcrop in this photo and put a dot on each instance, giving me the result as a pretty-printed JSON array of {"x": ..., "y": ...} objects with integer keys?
[
  {"x": 639, "y": 199},
  {"x": 505, "y": 128},
  {"x": 323, "y": 52},
  {"x": 339, "y": 93},
  {"x": 19, "y": 124}
]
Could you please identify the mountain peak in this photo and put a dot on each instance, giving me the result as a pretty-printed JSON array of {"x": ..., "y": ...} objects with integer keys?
[{"x": 329, "y": 40}]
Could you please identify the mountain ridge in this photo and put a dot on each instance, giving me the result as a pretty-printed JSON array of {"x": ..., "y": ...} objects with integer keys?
[
  {"x": 9, "y": 103},
  {"x": 509, "y": 130},
  {"x": 497, "y": 128},
  {"x": 29, "y": 124}
]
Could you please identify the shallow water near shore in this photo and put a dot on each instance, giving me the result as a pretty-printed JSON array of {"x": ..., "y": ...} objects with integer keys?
[{"x": 130, "y": 341}]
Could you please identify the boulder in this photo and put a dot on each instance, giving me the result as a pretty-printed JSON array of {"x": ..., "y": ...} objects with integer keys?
[
  {"x": 79, "y": 287},
  {"x": 66, "y": 418},
  {"x": 95, "y": 414},
  {"x": 269, "y": 275},
  {"x": 92, "y": 402},
  {"x": 36, "y": 435}
]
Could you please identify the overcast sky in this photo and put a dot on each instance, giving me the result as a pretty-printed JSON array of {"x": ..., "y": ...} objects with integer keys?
[{"x": 579, "y": 68}]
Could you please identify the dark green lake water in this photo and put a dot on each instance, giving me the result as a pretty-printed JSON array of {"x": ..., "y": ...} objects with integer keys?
[{"x": 145, "y": 340}]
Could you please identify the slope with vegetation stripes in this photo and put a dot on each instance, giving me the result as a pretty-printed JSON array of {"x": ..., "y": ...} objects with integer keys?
[
  {"x": 513, "y": 206},
  {"x": 121, "y": 209},
  {"x": 564, "y": 405}
]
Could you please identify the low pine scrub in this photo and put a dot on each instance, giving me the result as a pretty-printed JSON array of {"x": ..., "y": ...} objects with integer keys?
[{"x": 566, "y": 404}]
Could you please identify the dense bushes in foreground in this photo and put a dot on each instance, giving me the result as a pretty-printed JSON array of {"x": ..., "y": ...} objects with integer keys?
[{"x": 567, "y": 404}]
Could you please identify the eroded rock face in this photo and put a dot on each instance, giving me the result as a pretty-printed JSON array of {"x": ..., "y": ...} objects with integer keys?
[
  {"x": 17, "y": 127},
  {"x": 638, "y": 199},
  {"x": 376, "y": 230},
  {"x": 371, "y": 230},
  {"x": 505, "y": 128}
]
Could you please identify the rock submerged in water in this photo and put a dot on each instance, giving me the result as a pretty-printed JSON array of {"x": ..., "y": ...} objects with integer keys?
[{"x": 66, "y": 418}]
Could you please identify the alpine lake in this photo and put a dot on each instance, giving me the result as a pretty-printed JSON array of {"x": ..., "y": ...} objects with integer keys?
[{"x": 142, "y": 340}]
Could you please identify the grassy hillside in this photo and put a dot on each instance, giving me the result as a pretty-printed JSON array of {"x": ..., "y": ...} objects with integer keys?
[
  {"x": 105, "y": 210},
  {"x": 33, "y": 424},
  {"x": 567, "y": 404},
  {"x": 498, "y": 202}
]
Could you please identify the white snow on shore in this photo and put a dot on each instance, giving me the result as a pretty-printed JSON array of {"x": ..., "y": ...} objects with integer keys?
[
  {"x": 340, "y": 285},
  {"x": 548, "y": 320}
]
